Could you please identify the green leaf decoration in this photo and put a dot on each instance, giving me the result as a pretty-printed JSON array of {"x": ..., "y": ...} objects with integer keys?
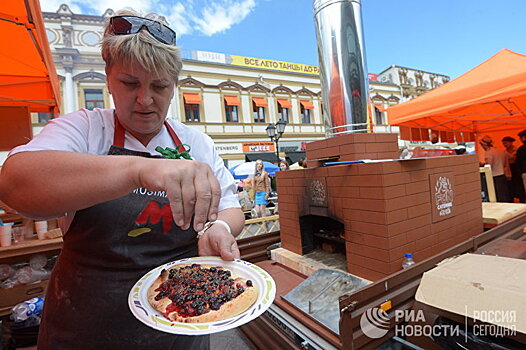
[{"x": 171, "y": 153}]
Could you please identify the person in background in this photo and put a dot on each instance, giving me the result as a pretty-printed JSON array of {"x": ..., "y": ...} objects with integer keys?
[
  {"x": 249, "y": 187},
  {"x": 244, "y": 199},
  {"x": 302, "y": 162},
  {"x": 520, "y": 158},
  {"x": 283, "y": 165},
  {"x": 515, "y": 185},
  {"x": 240, "y": 185},
  {"x": 127, "y": 209},
  {"x": 498, "y": 160},
  {"x": 434, "y": 137},
  {"x": 261, "y": 188}
]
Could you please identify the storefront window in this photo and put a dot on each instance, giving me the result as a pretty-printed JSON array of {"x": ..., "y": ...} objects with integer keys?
[
  {"x": 231, "y": 113},
  {"x": 283, "y": 113},
  {"x": 43, "y": 118},
  {"x": 93, "y": 98},
  {"x": 379, "y": 117},
  {"x": 191, "y": 112},
  {"x": 259, "y": 113},
  {"x": 305, "y": 115}
]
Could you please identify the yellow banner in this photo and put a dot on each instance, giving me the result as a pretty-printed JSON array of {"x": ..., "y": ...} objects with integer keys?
[{"x": 270, "y": 64}]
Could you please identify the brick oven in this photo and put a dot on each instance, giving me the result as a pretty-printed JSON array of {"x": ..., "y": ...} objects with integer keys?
[{"x": 378, "y": 211}]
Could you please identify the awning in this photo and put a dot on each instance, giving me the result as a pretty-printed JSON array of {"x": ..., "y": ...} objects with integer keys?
[
  {"x": 192, "y": 99},
  {"x": 260, "y": 101},
  {"x": 488, "y": 99},
  {"x": 27, "y": 73},
  {"x": 284, "y": 103},
  {"x": 232, "y": 100},
  {"x": 307, "y": 104},
  {"x": 266, "y": 156},
  {"x": 380, "y": 108},
  {"x": 293, "y": 157}
]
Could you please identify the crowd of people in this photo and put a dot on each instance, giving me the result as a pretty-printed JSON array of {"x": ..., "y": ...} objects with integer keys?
[
  {"x": 254, "y": 191},
  {"x": 508, "y": 167}
]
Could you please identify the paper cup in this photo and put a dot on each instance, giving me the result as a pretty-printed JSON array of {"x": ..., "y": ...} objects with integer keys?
[
  {"x": 5, "y": 235},
  {"x": 41, "y": 228},
  {"x": 52, "y": 224}
]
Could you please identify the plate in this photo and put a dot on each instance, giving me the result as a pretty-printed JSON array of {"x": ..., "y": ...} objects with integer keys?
[{"x": 144, "y": 312}]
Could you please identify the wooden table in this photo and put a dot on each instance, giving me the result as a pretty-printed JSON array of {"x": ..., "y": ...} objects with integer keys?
[{"x": 494, "y": 213}]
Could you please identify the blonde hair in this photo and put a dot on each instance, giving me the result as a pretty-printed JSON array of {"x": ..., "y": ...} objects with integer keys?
[
  {"x": 141, "y": 48},
  {"x": 259, "y": 161}
]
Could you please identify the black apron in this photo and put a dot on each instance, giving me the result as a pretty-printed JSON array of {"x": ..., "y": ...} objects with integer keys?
[{"x": 86, "y": 304}]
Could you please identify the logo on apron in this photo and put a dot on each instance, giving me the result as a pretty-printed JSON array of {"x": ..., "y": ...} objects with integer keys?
[{"x": 153, "y": 213}]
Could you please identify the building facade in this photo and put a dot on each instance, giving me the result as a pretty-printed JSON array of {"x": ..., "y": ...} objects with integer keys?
[{"x": 231, "y": 98}]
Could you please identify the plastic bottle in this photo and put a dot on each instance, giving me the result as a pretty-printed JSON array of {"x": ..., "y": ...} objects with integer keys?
[
  {"x": 28, "y": 308},
  {"x": 37, "y": 261},
  {"x": 9, "y": 283},
  {"x": 6, "y": 271},
  {"x": 408, "y": 261},
  {"x": 28, "y": 274}
]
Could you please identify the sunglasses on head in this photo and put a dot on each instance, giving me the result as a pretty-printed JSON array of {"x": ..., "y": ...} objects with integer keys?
[{"x": 122, "y": 25}]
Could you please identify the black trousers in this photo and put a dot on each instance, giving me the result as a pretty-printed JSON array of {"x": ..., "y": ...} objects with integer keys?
[
  {"x": 501, "y": 188},
  {"x": 515, "y": 185}
]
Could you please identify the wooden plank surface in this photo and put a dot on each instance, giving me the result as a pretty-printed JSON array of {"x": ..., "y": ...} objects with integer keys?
[
  {"x": 30, "y": 246},
  {"x": 497, "y": 213}
]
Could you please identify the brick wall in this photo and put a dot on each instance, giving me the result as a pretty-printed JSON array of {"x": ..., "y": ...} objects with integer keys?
[
  {"x": 352, "y": 147},
  {"x": 386, "y": 207}
]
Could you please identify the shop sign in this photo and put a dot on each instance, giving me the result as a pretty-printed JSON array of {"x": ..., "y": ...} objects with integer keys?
[
  {"x": 252, "y": 62},
  {"x": 258, "y": 147},
  {"x": 442, "y": 195},
  {"x": 274, "y": 65},
  {"x": 209, "y": 56},
  {"x": 228, "y": 148}
]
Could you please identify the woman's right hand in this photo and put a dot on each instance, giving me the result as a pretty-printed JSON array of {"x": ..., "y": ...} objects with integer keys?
[{"x": 190, "y": 185}]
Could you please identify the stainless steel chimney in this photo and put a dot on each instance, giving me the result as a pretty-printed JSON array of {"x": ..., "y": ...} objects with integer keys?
[{"x": 343, "y": 71}]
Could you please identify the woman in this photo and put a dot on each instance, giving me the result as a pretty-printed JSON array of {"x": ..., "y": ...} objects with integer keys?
[
  {"x": 283, "y": 165},
  {"x": 126, "y": 209},
  {"x": 261, "y": 188}
]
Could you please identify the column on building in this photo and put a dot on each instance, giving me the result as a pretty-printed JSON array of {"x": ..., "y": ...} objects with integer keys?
[{"x": 69, "y": 92}]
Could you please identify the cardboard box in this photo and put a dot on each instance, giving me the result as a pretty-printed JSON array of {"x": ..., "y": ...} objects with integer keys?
[
  {"x": 487, "y": 288},
  {"x": 12, "y": 296}
]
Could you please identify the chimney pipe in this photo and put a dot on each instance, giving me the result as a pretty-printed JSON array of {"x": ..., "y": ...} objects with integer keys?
[{"x": 343, "y": 72}]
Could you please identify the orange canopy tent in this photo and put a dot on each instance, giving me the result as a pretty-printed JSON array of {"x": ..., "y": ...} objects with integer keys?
[
  {"x": 27, "y": 72},
  {"x": 489, "y": 99}
]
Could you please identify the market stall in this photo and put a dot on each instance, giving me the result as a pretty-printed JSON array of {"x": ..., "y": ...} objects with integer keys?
[
  {"x": 28, "y": 81},
  {"x": 490, "y": 99},
  {"x": 27, "y": 72}
]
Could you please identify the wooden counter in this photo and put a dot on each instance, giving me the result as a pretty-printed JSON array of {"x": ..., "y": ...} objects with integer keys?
[
  {"x": 494, "y": 213},
  {"x": 30, "y": 246}
]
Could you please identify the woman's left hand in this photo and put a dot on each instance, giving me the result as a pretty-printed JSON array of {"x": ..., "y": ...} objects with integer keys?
[{"x": 216, "y": 241}]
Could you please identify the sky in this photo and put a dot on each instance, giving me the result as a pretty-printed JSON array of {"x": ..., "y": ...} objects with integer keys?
[{"x": 446, "y": 37}]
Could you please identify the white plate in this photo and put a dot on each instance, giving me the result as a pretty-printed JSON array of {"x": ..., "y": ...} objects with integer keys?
[{"x": 141, "y": 308}]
